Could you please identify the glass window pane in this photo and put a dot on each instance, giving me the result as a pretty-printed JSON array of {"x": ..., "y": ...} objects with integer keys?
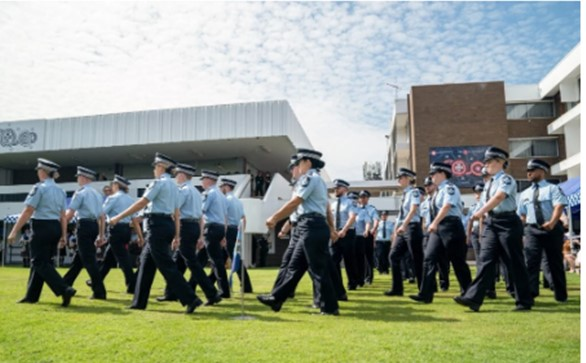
[
  {"x": 547, "y": 147},
  {"x": 520, "y": 148}
]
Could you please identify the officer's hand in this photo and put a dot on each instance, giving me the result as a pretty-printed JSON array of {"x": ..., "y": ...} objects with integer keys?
[
  {"x": 114, "y": 221},
  {"x": 281, "y": 234},
  {"x": 271, "y": 222},
  {"x": 175, "y": 243},
  {"x": 547, "y": 226},
  {"x": 432, "y": 228},
  {"x": 476, "y": 216},
  {"x": 223, "y": 243},
  {"x": 341, "y": 234},
  {"x": 200, "y": 244},
  {"x": 401, "y": 230},
  {"x": 61, "y": 242},
  {"x": 12, "y": 237},
  {"x": 333, "y": 236},
  {"x": 140, "y": 242}
]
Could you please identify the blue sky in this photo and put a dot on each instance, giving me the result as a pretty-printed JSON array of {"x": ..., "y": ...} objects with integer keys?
[{"x": 330, "y": 60}]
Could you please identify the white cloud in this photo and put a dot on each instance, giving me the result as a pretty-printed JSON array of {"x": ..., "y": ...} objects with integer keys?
[{"x": 330, "y": 60}]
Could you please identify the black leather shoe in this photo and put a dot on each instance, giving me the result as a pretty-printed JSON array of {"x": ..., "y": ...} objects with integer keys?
[
  {"x": 269, "y": 300},
  {"x": 98, "y": 297},
  {"x": 411, "y": 280},
  {"x": 213, "y": 301},
  {"x": 419, "y": 298},
  {"x": 190, "y": 308},
  {"x": 343, "y": 298},
  {"x": 491, "y": 295},
  {"x": 522, "y": 308},
  {"x": 88, "y": 282},
  {"x": 292, "y": 295},
  {"x": 225, "y": 296},
  {"x": 466, "y": 302},
  {"x": 351, "y": 287},
  {"x": 392, "y": 293},
  {"x": 24, "y": 300},
  {"x": 67, "y": 295},
  {"x": 165, "y": 298},
  {"x": 334, "y": 313}
]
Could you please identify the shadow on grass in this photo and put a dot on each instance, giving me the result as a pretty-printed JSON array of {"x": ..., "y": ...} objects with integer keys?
[{"x": 396, "y": 311}]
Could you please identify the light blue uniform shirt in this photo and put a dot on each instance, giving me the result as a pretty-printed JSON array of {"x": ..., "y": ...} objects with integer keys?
[
  {"x": 372, "y": 212},
  {"x": 314, "y": 192},
  {"x": 163, "y": 195},
  {"x": 87, "y": 203},
  {"x": 215, "y": 208},
  {"x": 116, "y": 204},
  {"x": 550, "y": 195},
  {"x": 388, "y": 227},
  {"x": 47, "y": 199},
  {"x": 473, "y": 209},
  {"x": 502, "y": 182},
  {"x": 411, "y": 196},
  {"x": 190, "y": 204},
  {"x": 425, "y": 211},
  {"x": 447, "y": 194},
  {"x": 346, "y": 211},
  {"x": 235, "y": 210},
  {"x": 362, "y": 218}
]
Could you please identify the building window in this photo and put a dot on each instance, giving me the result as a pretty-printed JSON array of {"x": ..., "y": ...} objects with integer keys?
[
  {"x": 532, "y": 148},
  {"x": 522, "y": 111}
]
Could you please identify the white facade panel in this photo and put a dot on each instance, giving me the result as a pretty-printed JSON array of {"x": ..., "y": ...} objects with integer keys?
[{"x": 522, "y": 93}]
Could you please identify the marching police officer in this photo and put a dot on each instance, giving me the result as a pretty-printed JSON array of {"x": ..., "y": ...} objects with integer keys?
[
  {"x": 235, "y": 215},
  {"x": 502, "y": 235},
  {"x": 45, "y": 204},
  {"x": 86, "y": 205},
  {"x": 344, "y": 216},
  {"x": 120, "y": 234},
  {"x": 161, "y": 200},
  {"x": 215, "y": 210},
  {"x": 446, "y": 233},
  {"x": 368, "y": 263},
  {"x": 190, "y": 213},
  {"x": 408, "y": 235},
  {"x": 383, "y": 243},
  {"x": 363, "y": 225},
  {"x": 540, "y": 207},
  {"x": 473, "y": 226},
  {"x": 311, "y": 202}
]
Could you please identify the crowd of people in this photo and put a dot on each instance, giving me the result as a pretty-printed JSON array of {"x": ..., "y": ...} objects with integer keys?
[{"x": 175, "y": 228}]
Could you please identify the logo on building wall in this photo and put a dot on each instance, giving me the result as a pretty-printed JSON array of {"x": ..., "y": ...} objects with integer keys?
[
  {"x": 466, "y": 162},
  {"x": 10, "y": 138}
]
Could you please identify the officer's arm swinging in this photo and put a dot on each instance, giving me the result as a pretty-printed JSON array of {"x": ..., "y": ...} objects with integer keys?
[
  {"x": 26, "y": 214},
  {"x": 493, "y": 202},
  {"x": 138, "y": 205},
  {"x": 284, "y": 211}
]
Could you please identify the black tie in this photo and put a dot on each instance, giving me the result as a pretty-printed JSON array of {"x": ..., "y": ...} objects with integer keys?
[
  {"x": 338, "y": 227},
  {"x": 433, "y": 209},
  {"x": 487, "y": 195},
  {"x": 384, "y": 229},
  {"x": 537, "y": 205}
]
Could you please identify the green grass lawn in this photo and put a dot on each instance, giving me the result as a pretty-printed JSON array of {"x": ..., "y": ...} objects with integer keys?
[{"x": 371, "y": 328}]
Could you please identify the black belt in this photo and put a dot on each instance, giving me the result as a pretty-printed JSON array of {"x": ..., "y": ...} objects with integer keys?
[
  {"x": 157, "y": 215},
  {"x": 233, "y": 226},
  {"x": 213, "y": 224},
  {"x": 502, "y": 214},
  {"x": 189, "y": 220},
  {"x": 451, "y": 219},
  {"x": 310, "y": 215},
  {"x": 87, "y": 220}
]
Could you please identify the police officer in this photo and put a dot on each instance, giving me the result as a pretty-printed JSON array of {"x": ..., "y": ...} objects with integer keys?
[
  {"x": 502, "y": 236},
  {"x": 311, "y": 202},
  {"x": 363, "y": 225},
  {"x": 235, "y": 216},
  {"x": 119, "y": 236},
  {"x": 162, "y": 228},
  {"x": 540, "y": 207},
  {"x": 443, "y": 265},
  {"x": 364, "y": 196},
  {"x": 344, "y": 216},
  {"x": 408, "y": 234},
  {"x": 473, "y": 226},
  {"x": 45, "y": 204},
  {"x": 86, "y": 205},
  {"x": 190, "y": 213},
  {"x": 446, "y": 233},
  {"x": 215, "y": 210},
  {"x": 383, "y": 243}
]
